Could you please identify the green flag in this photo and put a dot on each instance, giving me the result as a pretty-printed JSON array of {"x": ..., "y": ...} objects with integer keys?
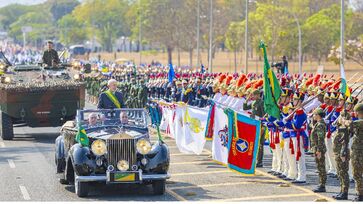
[
  {"x": 81, "y": 137},
  {"x": 271, "y": 87}
]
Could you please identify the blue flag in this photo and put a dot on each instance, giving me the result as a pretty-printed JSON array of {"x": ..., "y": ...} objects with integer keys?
[
  {"x": 202, "y": 69},
  {"x": 171, "y": 73}
]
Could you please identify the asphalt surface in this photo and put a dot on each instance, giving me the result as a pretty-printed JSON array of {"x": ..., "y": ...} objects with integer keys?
[{"x": 27, "y": 172}]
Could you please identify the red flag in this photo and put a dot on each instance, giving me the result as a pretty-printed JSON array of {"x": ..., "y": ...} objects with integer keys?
[{"x": 243, "y": 142}]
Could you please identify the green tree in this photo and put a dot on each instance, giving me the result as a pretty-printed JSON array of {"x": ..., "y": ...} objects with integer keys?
[
  {"x": 72, "y": 31},
  {"x": 61, "y": 8},
  {"x": 40, "y": 23},
  {"x": 106, "y": 19},
  {"x": 321, "y": 31},
  {"x": 234, "y": 36}
]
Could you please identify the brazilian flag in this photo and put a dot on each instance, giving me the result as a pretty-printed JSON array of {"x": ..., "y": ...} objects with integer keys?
[
  {"x": 271, "y": 87},
  {"x": 81, "y": 137}
]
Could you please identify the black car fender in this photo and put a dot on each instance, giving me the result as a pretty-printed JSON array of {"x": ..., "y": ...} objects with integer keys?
[
  {"x": 158, "y": 159},
  {"x": 60, "y": 160},
  {"x": 81, "y": 159},
  {"x": 59, "y": 148}
]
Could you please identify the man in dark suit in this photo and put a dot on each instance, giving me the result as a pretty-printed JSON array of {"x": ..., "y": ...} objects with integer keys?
[
  {"x": 111, "y": 98},
  {"x": 50, "y": 56}
]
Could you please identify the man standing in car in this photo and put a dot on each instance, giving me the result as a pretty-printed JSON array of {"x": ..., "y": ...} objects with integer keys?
[
  {"x": 50, "y": 56},
  {"x": 111, "y": 98}
]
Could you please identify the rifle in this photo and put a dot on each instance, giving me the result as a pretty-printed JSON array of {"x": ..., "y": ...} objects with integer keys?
[{"x": 351, "y": 78}]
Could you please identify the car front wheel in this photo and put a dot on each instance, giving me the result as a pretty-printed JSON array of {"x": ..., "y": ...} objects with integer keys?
[{"x": 159, "y": 187}]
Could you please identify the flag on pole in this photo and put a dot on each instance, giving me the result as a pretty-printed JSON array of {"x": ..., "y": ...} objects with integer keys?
[
  {"x": 344, "y": 89},
  {"x": 202, "y": 69},
  {"x": 243, "y": 141},
  {"x": 195, "y": 120},
  {"x": 171, "y": 73},
  {"x": 81, "y": 136},
  {"x": 271, "y": 87},
  {"x": 220, "y": 136}
]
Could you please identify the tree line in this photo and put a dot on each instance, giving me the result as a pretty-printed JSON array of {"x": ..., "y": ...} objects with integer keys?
[{"x": 172, "y": 24}]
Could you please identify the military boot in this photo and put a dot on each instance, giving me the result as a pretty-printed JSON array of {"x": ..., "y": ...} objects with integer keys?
[
  {"x": 358, "y": 198},
  {"x": 342, "y": 196},
  {"x": 319, "y": 189}
]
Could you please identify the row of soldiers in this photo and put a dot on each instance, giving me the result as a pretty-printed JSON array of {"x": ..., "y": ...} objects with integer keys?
[{"x": 314, "y": 116}]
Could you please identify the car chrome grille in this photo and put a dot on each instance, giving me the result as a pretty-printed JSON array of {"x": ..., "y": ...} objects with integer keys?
[{"x": 121, "y": 149}]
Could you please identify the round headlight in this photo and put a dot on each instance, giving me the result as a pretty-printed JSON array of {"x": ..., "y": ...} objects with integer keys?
[
  {"x": 143, "y": 146},
  {"x": 98, "y": 147},
  {"x": 76, "y": 76},
  {"x": 7, "y": 80},
  {"x": 123, "y": 165}
]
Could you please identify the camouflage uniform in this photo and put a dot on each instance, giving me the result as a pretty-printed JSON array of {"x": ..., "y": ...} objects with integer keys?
[
  {"x": 132, "y": 99},
  {"x": 318, "y": 145},
  {"x": 142, "y": 95},
  {"x": 357, "y": 153},
  {"x": 340, "y": 149},
  {"x": 257, "y": 110}
]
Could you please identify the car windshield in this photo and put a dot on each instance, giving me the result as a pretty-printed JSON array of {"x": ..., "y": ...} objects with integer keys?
[{"x": 90, "y": 119}]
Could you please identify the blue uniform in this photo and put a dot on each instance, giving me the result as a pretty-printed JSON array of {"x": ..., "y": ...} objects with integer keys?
[{"x": 104, "y": 102}]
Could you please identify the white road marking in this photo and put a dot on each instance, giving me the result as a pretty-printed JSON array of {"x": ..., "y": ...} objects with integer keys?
[
  {"x": 175, "y": 195},
  {"x": 11, "y": 163},
  {"x": 2, "y": 144},
  {"x": 24, "y": 192}
]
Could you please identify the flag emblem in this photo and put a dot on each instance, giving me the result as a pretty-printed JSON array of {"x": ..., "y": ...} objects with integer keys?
[
  {"x": 242, "y": 145},
  {"x": 223, "y": 136}
]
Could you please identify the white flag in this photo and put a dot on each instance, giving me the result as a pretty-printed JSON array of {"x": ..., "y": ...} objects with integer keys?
[
  {"x": 179, "y": 129},
  {"x": 220, "y": 136},
  {"x": 164, "y": 122},
  {"x": 195, "y": 121}
]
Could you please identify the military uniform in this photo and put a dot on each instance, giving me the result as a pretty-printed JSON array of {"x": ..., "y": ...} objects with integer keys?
[
  {"x": 340, "y": 149},
  {"x": 318, "y": 145},
  {"x": 357, "y": 153},
  {"x": 259, "y": 111},
  {"x": 50, "y": 56}
]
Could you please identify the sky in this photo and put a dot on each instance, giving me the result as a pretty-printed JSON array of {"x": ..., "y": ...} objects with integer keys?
[{"x": 27, "y": 2}]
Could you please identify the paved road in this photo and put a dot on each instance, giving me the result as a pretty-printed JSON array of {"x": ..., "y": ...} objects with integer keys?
[{"x": 27, "y": 172}]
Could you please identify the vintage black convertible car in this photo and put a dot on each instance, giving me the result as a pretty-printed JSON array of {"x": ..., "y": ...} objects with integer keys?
[{"x": 116, "y": 149}]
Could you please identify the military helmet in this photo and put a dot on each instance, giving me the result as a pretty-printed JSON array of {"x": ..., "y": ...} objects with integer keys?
[
  {"x": 256, "y": 92},
  {"x": 327, "y": 95},
  {"x": 299, "y": 96},
  {"x": 334, "y": 96},
  {"x": 358, "y": 107},
  {"x": 341, "y": 97},
  {"x": 320, "y": 112},
  {"x": 286, "y": 92}
]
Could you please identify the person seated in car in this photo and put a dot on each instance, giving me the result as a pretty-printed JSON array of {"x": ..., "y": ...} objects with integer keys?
[
  {"x": 124, "y": 119},
  {"x": 92, "y": 120}
]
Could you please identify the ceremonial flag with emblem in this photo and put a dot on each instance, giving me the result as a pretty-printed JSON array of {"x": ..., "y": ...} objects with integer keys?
[
  {"x": 243, "y": 139},
  {"x": 220, "y": 136},
  {"x": 81, "y": 136},
  {"x": 171, "y": 73},
  {"x": 344, "y": 89},
  {"x": 195, "y": 120},
  {"x": 179, "y": 128},
  {"x": 210, "y": 122},
  {"x": 271, "y": 87}
]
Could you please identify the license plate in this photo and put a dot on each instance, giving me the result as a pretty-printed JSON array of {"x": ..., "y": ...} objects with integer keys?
[{"x": 123, "y": 177}]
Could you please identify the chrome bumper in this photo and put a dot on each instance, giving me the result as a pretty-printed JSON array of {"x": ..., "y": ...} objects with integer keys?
[{"x": 143, "y": 177}]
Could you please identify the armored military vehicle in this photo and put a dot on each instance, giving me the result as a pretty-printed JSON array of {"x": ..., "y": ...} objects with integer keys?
[{"x": 36, "y": 96}]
